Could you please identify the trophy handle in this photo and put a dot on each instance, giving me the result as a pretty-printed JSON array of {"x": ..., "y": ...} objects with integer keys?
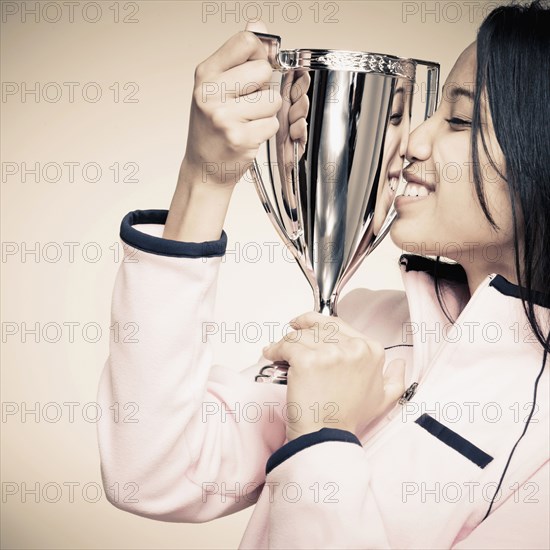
[
  {"x": 277, "y": 371},
  {"x": 432, "y": 92},
  {"x": 280, "y": 59},
  {"x": 268, "y": 207}
]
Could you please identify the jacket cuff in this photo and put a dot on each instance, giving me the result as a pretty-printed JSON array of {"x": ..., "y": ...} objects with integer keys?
[
  {"x": 307, "y": 440},
  {"x": 165, "y": 247}
]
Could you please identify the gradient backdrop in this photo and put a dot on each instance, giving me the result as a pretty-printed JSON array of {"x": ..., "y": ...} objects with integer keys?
[{"x": 95, "y": 103}]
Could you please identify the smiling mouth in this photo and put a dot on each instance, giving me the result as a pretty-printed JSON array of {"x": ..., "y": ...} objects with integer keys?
[{"x": 416, "y": 190}]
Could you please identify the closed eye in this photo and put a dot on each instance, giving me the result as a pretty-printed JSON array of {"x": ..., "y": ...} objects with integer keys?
[
  {"x": 396, "y": 119},
  {"x": 458, "y": 123}
]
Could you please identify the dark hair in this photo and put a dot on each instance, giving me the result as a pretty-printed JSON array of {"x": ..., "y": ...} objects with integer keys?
[{"x": 513, "y": 68}]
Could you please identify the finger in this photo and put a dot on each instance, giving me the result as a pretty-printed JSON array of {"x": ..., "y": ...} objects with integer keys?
[
  {"x": 325, "y": 323},
  {"x": 299, "y": 109},
  {"x": 394, "y": 381},
  {"x": 248, "y": 77},
  {"x": 283, "y": 350},
  {"x": 241, "y": 47},
  {"x": 298, "y": 131},
  {"x": 300, "y": 87},
  {"x": 305, "y": 337},
  {"x": 261, "y": 104},
  {"x": 262, "y": 129},
  {"x": 307, "y": 320}
]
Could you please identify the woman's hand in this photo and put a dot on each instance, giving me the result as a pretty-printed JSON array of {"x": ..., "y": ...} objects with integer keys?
[
  {"x": 335, "y": 379},
  {"x": 234, "y": 108},
  {"x": 233, "y": 111}
]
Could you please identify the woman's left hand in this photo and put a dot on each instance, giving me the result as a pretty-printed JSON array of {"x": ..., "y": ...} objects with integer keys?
[{"x": 335, "y": 379}]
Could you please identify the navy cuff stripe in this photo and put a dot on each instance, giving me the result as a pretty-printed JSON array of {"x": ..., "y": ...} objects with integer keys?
[
  {"x": 307, "y": 440},
  {"x": 166, "y": 247},
  {"x": 454, "y": 440}
]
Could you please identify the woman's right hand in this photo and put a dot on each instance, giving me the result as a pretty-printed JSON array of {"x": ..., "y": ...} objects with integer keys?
[{"x": 233, "y": 110}]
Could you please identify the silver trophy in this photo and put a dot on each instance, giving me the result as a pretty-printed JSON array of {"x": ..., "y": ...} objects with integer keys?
[{"x": 332, "y": 170}]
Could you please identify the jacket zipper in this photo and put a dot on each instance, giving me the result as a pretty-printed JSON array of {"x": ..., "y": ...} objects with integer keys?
[{"x": 412, "y": 390}]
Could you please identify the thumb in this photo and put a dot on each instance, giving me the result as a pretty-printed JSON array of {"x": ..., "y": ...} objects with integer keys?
[
  {"x": 394, "y": 381},
  {"x": 256, "y": 26}
]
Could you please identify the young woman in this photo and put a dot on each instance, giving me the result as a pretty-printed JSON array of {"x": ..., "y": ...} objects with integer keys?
[{"x": 461, "y": 462}]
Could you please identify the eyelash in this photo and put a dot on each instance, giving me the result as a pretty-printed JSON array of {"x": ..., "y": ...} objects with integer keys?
[
  {"x": 396, "y": 118},
  {"x": 459, "y": 122}
]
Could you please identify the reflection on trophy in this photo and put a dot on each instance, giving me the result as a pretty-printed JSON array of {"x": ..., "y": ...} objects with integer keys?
[{"x": 334, "y": 165}]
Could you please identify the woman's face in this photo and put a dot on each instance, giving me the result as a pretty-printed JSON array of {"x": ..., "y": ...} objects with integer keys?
[
  {"x": 395, "y": 146},
  {"x": 446, "y": 219}
]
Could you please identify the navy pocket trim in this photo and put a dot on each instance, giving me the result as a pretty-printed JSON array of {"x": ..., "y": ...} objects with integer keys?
[{"x": 453, "y": 440}]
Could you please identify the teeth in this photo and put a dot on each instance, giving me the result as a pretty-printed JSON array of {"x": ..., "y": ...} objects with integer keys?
[
  {"x": 416, "y": 190},
  {"x": 393, "y": 184}
]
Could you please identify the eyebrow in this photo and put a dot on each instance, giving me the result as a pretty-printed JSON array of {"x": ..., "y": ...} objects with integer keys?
[{"x": 457, "y": 91}]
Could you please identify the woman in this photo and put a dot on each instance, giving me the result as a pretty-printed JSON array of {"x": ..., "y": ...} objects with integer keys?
[{"x": 463, "y": 461}]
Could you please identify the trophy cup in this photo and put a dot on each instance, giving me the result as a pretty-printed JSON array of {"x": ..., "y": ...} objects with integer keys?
[{"x": 334, "y": 165}]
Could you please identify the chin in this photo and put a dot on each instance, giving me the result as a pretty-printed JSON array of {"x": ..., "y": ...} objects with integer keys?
[
  {"x": 396, "y": 234},
  {"x": 408, "y": 241}
]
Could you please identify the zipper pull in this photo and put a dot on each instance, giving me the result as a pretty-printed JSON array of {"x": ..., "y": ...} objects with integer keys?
[{"x": 409, "y": 392}]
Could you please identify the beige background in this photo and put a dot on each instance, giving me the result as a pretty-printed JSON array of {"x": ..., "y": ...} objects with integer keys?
[{"x": 158, "y": 52}]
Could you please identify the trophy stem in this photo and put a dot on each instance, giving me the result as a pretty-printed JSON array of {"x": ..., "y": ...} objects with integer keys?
[
  {"x": 277, "y": 371},
  {"x": 326, "y": 307}
]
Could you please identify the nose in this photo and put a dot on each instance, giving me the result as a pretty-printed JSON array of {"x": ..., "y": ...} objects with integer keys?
[{"x": 419, "y": 145}]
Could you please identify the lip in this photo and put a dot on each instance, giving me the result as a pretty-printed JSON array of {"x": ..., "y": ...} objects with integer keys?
[
  {"x": 402, "y": 200},
  {"x": 411, "y": 178},
  {"x": 394, "y": 174}
]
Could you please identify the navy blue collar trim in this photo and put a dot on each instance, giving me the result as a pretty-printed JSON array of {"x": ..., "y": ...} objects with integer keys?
[
  {"x": 443, "y": 270},
  {"x": 504, "y": 286},
  {"x": 456, "y": 273},
  {"x": 165, "y": 247}
]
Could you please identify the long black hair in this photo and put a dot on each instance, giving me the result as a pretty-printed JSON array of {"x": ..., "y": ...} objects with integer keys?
[{"x": 513, "y": 69}]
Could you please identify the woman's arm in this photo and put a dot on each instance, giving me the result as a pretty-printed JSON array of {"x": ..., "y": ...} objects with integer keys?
[
  {"x": 323, "y": 495},
  {"x": 174, "y": 451},
  {"x": 184, "y": 455}
]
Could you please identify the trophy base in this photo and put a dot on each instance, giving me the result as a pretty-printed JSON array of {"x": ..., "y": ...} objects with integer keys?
[{"x": 275, "y": 373}]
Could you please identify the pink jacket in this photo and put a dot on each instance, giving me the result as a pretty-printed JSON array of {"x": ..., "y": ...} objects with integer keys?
[{"x": 424, "y": 477}]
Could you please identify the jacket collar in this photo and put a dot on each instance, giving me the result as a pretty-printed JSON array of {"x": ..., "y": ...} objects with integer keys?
[
  {"x": 454, "y": 274},
  {"x": 494, "y": 307}
]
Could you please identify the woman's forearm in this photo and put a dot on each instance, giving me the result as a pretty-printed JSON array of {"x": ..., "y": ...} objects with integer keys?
[{"x": 198, "y": 208}]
